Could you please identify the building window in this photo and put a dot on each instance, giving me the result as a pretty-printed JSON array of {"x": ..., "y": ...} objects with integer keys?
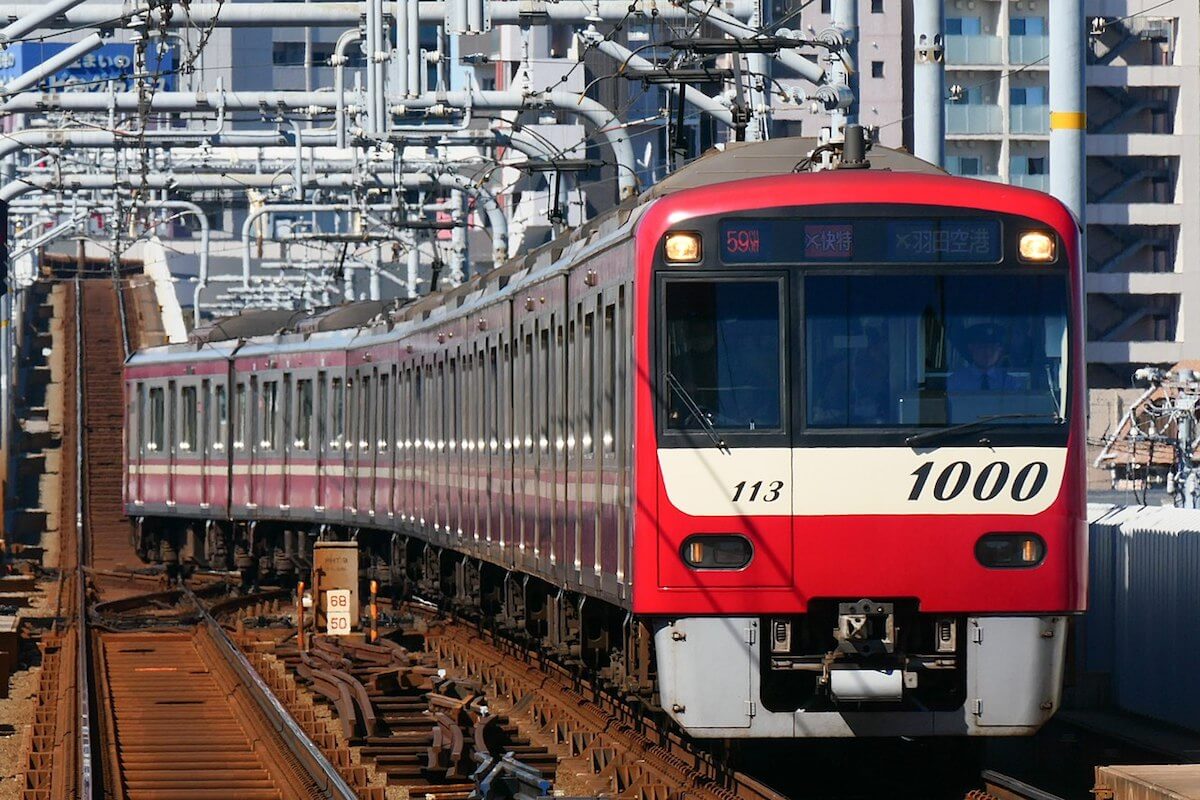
[
  {"x": 826, "y": 6},
  {"x": 964, "y": 165},
  {"x": 876, "y": 6},
  {"x": 1027, "y": 95},
  {"x": 876, "y": 69},
  {"x": 964, "y": 26},
  {"x": 1027, "y": 26},
  {"x": 1035, "y": 165},
  {"x": 287, "y": 54}
]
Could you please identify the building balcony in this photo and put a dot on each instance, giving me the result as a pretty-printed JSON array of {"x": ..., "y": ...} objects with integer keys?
[
  {"x": 1028, "y": 49},
  {"x": 962, "y": 50},
  {"x": 973, "y": 119},
  {"x": 1029, "y": 119},
  {"x": 1039, "y": 182}
]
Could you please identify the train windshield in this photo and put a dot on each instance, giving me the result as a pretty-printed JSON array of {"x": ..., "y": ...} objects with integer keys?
[
  {"x": 927, "y": 350},
  {"x": 722, "y": 359}
]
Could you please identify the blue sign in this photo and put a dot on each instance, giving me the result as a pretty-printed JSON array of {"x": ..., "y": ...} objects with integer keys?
[{"x": 110, "y": 63}]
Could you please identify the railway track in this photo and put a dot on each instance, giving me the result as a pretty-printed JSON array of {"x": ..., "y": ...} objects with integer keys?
[
  {"x": 437, "y": 703},
  {"x": 172, "y": 711}
]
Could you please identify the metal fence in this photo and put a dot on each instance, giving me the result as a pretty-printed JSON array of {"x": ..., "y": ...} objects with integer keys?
[{"x": 1144, "y": 610}]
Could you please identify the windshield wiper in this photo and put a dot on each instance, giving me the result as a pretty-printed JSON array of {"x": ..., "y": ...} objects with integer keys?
[
  {"x": 694, "y": 409},
  {"x": 980, "y": 422}
]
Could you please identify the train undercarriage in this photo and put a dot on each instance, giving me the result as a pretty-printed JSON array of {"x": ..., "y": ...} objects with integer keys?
[{"x": 848, "y": 667}]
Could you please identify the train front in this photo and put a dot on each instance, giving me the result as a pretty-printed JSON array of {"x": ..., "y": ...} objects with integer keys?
[{"x": 860, "y": 455}]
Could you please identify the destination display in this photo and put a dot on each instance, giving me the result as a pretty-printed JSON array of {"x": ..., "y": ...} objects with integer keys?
[{"x": 860, "y": 241}]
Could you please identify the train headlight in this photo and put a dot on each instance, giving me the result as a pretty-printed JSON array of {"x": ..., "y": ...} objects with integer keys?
[
  {"x": 1036, "y": 247},
  {"x": 716, "y": 551},
  {"x": 1010, "y": 550},
  {"x": 683, "y": 247}
]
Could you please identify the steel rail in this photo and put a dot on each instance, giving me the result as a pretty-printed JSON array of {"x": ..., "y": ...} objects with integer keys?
[
  {"x": 307, "y": 755},
  {"x": 83, "y": 661},
  {"x": 1011, "y": 787}
]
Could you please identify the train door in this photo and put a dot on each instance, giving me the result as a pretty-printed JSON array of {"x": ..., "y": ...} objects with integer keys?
[
  {"x": 320, "y": 444},
  {"x": 138, "y": 456},
  {"x": 613, "y": 472},
  {"x": 558, "y": 446},
  {"x": 546, "y": 472},
  {"x": 337, "y": 445},
  {"x": 453, "y": 452},
  {"x": 172, "y": 438},
  {"x": 589, "y": 464},
  {"x": 204, "y": 442},
  {"x": 522, "y": 411},
  {"x": 253, "y": 424},
  {"x": 220, "y": 455},
  {"x": 284, "y": 445},
  {"x": 354, "y": 444},
  {"x": 381, "y": 486},
  {"x": 302, "y": 472}
]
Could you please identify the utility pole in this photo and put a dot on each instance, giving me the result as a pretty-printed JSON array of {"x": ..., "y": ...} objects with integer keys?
[
  {"x": 929, "y": 82},
  {"x": 1068, "y": 115}
]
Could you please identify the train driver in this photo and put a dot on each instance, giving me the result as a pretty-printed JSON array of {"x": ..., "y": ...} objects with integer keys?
[{"x": 987, "y": 367}]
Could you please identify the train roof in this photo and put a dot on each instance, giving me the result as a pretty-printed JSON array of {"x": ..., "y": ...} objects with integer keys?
[
  {"x": 741, "y": 160},
  {"x": 363, "y": 321}
]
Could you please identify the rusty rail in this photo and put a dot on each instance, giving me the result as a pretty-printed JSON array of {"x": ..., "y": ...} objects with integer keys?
[{"x": 83, "y": 646}]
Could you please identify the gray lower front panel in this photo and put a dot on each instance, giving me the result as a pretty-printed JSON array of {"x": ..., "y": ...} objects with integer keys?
[{"x": 710, "y": 675}]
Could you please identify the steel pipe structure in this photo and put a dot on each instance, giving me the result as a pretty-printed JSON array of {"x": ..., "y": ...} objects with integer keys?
[
  {"x": 34, "y": 16},
  {"x": 597, "y": 114},
  {"x": 626, "y": 57},
  {"x": 344, "y": 15}
]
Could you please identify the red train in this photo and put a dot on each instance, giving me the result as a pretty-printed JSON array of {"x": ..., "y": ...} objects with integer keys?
[{"x": 790, "y": 454}]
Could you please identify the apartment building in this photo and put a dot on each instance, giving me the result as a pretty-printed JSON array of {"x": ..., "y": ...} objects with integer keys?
[{"x": 1143, "y": 156}]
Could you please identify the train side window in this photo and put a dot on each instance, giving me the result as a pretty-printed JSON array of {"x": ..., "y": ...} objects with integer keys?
[
  {"x": 187, "y": 419},
  {"x": 204, "y": 429},
  {"x": 572, "y": 380},
  {"x": 322, "y": 410},
  {"x": 221, "y": 401},
  {"x": 337, "y": 418},
  {"x": 172, "y": 416},
  {"x": 139, "y": 424},
  {"x": 609, "y": 386},
  {"x": 304, "y": 414},
  {"x": 241, "y": 418},
  {"x": 270, "y": 418},
  {"x": 587, "y": 383},
  {"x": 285, "y": 419},
  {"x": 365, "y": 409},
  {"x": 493, "y": 424},
  {"x": 544, "y": 390},
  {"x": 157, "y": 437}
]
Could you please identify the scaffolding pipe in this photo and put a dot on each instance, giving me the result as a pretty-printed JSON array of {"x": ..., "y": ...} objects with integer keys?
[
  {"x": 628, "y": 58},
  {"x": 416, "y": 65},
  {"x": 179, "y": 16},
  {"x": 929, "y": 79},
  {"x": 34, "y": 16},
  {"x": 374, "y": 90},
  {"x": 338, "y": 62},
  {"x": 733, "y": 22},
  {"x": 605, "y": 121}
]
